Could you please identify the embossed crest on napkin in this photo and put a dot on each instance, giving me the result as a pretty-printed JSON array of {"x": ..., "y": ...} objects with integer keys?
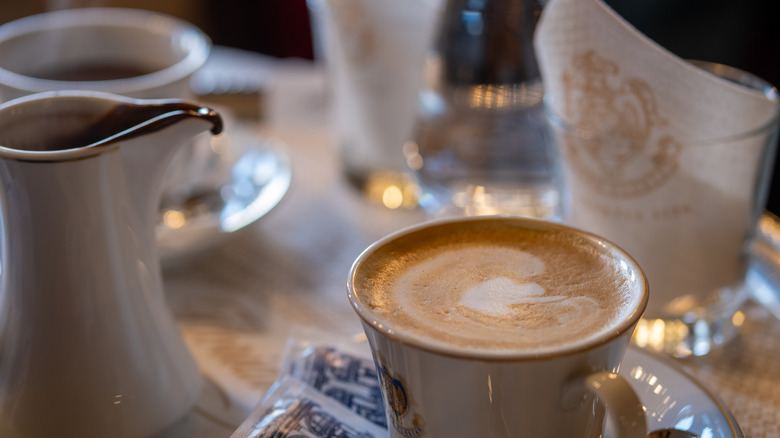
[{"x": 629, "y": 152}]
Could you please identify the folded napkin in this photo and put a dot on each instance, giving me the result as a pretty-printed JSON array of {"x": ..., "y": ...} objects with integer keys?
[
  {"x": 661, "y": 156},
  {"x": 584, "y": 48}
]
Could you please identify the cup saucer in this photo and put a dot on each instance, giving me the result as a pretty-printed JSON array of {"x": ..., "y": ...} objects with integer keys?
[
  {"x": 675, "y": 399},
  {"x": 256, "y": 179},
  {"x": 671, "y": 396}
]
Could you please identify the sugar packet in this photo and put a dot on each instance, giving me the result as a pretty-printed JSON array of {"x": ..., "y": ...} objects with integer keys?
[
  {"x": 342, "y": 371},
  {"x": 294, "y": 409},
  {"x": 324, "y": 389}
]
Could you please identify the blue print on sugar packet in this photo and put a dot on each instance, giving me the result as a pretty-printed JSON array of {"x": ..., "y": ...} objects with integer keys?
[
  {"x": 350, "y": 380},
  {"x": 307, "y": 419}
]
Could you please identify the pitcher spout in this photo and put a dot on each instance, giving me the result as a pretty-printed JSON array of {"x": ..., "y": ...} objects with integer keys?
[
  {"x": 79, "y": 124},
  {"x": 64, "y": 126},
  {"x": 156, "y": 130},
  {"x": 144, "y": 117}
]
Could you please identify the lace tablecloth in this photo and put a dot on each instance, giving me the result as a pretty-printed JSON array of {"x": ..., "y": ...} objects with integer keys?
[{"x": 238, "y": 303}]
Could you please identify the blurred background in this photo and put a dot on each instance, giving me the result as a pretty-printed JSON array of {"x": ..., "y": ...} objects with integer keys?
[{"x": 742, "y": 34}]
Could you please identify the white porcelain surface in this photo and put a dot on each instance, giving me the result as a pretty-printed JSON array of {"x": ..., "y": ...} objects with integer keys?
[
  {"x": 674, "y": 399},
  {"x": 88, "y": 346}
]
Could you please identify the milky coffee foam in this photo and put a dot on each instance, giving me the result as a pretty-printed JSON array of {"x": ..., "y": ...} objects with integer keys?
[{"x": 496, "y": 286}]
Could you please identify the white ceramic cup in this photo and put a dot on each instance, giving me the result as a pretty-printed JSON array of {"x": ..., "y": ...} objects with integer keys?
[
  {"x": 128, "y": 52},
  {"x": 165, "y": 49},
  {"x": 435, "y": 388}
]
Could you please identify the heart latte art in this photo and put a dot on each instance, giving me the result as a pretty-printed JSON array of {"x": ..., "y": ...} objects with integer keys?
[{"x": 496, "y": 288}]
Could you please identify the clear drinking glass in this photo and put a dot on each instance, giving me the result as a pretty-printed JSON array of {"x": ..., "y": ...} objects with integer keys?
[
  {"x": 373, "y": 53},
  {"x": 481, "y": 144},
  {"x": 687, "y": 212}
]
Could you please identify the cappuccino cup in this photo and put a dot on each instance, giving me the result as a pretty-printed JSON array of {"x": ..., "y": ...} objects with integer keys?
[{"x": 500, "y": 327}]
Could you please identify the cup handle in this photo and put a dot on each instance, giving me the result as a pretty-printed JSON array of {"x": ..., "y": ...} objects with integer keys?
[{"x": 626, "y": 412}]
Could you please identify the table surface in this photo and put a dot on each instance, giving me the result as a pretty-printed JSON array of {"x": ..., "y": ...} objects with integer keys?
[{"x": 240, "y": 301}]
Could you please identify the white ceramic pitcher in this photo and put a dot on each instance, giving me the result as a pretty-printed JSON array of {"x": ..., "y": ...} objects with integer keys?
[{"x": 88, "y": 346}]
